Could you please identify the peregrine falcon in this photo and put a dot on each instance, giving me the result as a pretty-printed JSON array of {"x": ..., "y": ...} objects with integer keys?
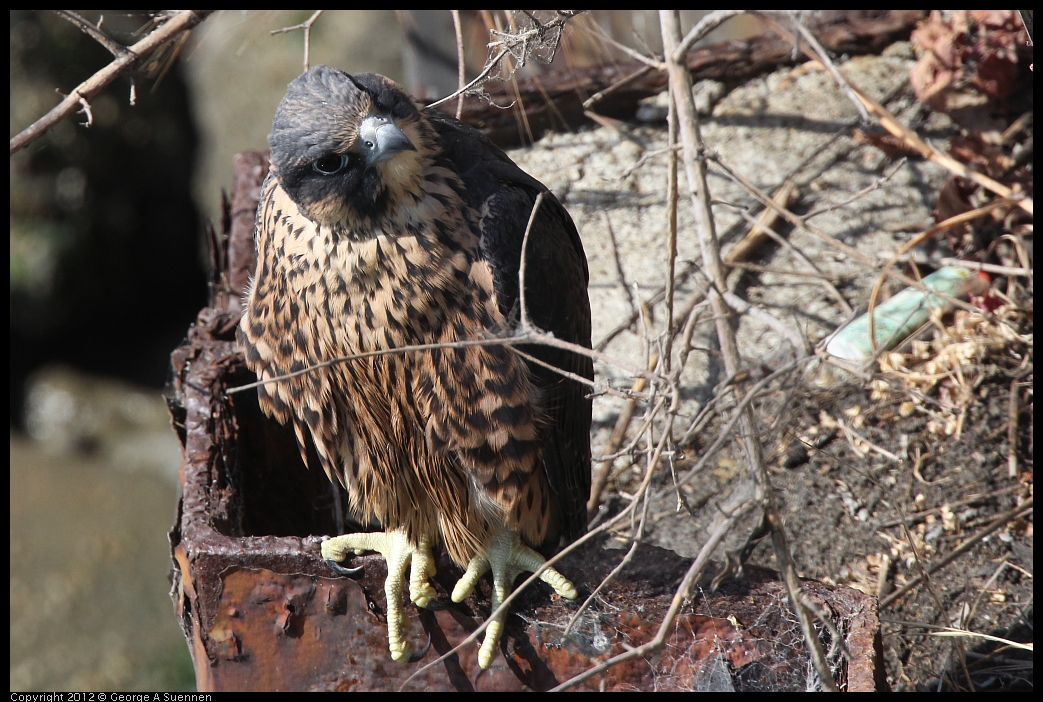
[{"x": 383, "y": 225}]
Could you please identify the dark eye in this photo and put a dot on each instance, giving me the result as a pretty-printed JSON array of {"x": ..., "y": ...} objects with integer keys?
[{"x": 328, "y": 165}]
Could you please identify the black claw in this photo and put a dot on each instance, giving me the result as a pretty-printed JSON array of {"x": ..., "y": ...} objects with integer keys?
[
  {"x": 419, "y": 655},
  {"x": 436, "y": 605},
  {"x": 347, "y": 572}
]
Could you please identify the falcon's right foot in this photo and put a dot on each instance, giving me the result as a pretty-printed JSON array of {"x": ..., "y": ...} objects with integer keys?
[{"x": 507, "y": 557}]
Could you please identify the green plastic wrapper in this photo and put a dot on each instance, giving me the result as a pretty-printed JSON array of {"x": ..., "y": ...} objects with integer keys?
[{"x": 898, "y": 317}]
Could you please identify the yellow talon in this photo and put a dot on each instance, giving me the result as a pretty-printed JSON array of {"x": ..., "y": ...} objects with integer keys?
[
  {"x": 400, "y": 554},
  {"x": 507, "y": 557}
]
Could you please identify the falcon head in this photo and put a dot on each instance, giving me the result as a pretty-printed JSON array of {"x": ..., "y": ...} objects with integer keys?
[{"x": 347, "y": 148}]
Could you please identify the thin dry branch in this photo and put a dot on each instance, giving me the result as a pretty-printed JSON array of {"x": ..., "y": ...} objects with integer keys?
[
  {"x": 621, "y": 83},
  {"x": 131, "y": 56},
  {"x": 920, "y": 259},
  {"x": 769, "y": 232},
  {"x": 528, "y": 338},
  {"x": 922, "y": 515},
  {"x": 1002, "y": 520},
  {"x": 525, "y": 325},
  {"x": 93, "y": 31},
  {"x": 652, "y": 63},
  {"x": 875, "y": 185},
  {"x": 911, "y": 139},
  {"x": 671, "y": 221},
  {"x": 799, "y": 343},
  {"x": 306, "y": 26},
  {"x": 461, "y": 65},
  {"x": 680, "y": 597},
  {"x": 916, "y": 241},
  {"x": 725, "y": 431},
  {"x": 703, "y": 27},
  {"x": 601, "y": 474},
  {"x": 620, "y": 273},
  {"x": 481, "y": 78},
  {"x": 521, "y": 45},
  {"x": 826, "y": 61},
  {"x": 850, "y": 251},
  {"x": 695, "y": 168}
]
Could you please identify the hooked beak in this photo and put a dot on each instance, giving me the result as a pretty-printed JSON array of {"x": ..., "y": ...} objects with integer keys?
[{"x": 380, "y": 139}]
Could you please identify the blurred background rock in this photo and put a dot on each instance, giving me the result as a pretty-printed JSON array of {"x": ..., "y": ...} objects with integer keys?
[{"x": 107, "y": 273}]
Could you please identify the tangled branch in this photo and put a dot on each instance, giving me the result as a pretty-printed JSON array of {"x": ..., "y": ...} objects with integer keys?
[{"x": 531, "y": 40}]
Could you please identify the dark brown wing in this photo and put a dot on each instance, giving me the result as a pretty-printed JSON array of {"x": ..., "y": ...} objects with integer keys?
[{"x": 556, "y": 297}]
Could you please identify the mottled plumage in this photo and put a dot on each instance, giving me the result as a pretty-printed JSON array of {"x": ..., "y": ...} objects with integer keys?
[{"x": 383, "y": 225}]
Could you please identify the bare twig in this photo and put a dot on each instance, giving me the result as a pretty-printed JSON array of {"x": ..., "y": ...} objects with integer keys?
[
  {"x": 525, "y": 325},
  {"x": 949, "y": 631},
  {"x": 671, "y": 221},
  {"x": 826, "y": 61},
  {"x": 649, "y": 416},
  {"x": 654, "y": 63},
  {"x": 849, "y": 251},
  {"x": 958, "y": 263},
  {"x": 854, "y": 437},
  {"x": 1026, "y": 20},
  {"x": 563, "y": 373},
  {"x": 601, "y": 586},
  {"x": 785, "y": 196},
  {"x": 1013, "y": 409},
  {"x": 306, "y": 26},
  {"x": 461, "y": 66},
  {"x": 822, "y": 616},
  {"x": 757, "y": 268},
  {"x": 916, "y": 241},
  {"x": 521, "y": 45},
  {"x": 703, "y": 27},
  {"x": 492, "y": 64},
  {"x": 793, "y": 336},
  {"x": 94, "y": 32},
  {"x": 680, "y": 596},
  {"x": 520, "y": 339},
  {"x": 920, "y": 516},
  {"x": 655, "y": 298},
  {"x": 622, "y": 82},
  {"x": 695, "y": 168},
  {"x": 912, "y": 139},
  {"x": 984, "y": 589},
  {"x": 875, "y": 185},
  {"x": 722, "y": 436},
  {"x": 619, "y": 264},
  {"x": 600, "y": 476},
  {"x": 168, "y": 31},
  {"x": 1000, "y": 521},
  {"x": 764, "y": 227}
]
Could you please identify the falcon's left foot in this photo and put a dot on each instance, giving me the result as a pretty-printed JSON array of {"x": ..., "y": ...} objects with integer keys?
[
  {"x": 507, "y": 557},
  {"x": 400, "y": 554}
]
